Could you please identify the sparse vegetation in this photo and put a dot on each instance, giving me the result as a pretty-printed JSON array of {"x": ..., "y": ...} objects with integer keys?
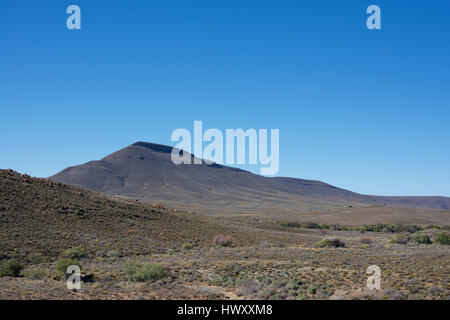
[
  {"x": 10, "y": 268},
  {"x": 187, "y": 246},
  {"x": 365, "y": 240},
  {"x": 223, "y": 241},
  {"x": 264, "y": 261},
  {"x": 144, "y": 272},
  {"x": 35, "y": 274},
  {"x": 393, "y": 294},
  {"x": 400, "y": 239},
  {"x": 289, "y": 224},
  {"x": 312, "y": 289},
  {"x": 75, "y": 253},
  {"x": 442, "y": 238},
  {"x": 267, "y": 294},
  {"x": 422, "y": 238},
  {"x": 331, "y": 242},
  {"x": 380, "y": 227},
  {"x": 63, "y": 263},
  {"x": 36, "y": 258}
]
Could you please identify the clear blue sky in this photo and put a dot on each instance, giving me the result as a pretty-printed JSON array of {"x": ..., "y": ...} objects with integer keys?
[{"x": 360, "y": 109}]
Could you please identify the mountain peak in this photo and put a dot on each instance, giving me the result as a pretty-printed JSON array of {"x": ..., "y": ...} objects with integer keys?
[
  {"x": 153, "y": 146},
  {"x": 145, "y": 171}
]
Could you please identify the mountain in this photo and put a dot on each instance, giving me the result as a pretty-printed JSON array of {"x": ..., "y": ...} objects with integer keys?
[{"x": 145, "y": 171}]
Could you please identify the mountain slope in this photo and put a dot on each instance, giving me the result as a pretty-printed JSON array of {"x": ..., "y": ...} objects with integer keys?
[
  {"x": 46, "y": 217},
  {"x": 145, "y": 171}
]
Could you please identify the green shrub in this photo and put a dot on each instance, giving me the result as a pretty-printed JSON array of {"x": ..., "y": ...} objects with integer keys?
[
  {"x": 442, "y": 238},
  {"x": 36, "y": 258},
  {"x": 289, "y": 224},
  {"x": 144, "y": 272},
  {"x": 331, "y": 242},
  {"x": 389, "y": 228},
  {"x": 35, "y": 274},
  {"x": 131, "y": 269},
  {"x": 312, "y": 289},
  {"x": 10, "y": 268},
  {"x": 75, "y": 253},
  {"x": 310, "y": 225},
  {"x": 422, "y": 238},
  {"x": 187, "y": 246},
  {"x": 323, "y": 243},
  {"x": 63, "y": 263},
  {"x": 379, "y": 227},
  {"x": 151, "y": 272}
]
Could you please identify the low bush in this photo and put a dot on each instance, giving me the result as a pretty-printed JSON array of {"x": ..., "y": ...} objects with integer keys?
[
  {"x": 144, "y": 272},
  {"x": 289, "y": 224},
  {"x": 63, "y": 263},
  {"x": 223, "y": 241},
  {"x": 35, "y": 274},
  {"x": 331, "y": 242},
  {"x": 379, "y": 227},
  {"x": 187, "y": 246},
  {"x": 422, "y": 238},
  {"x": 36, "y": 258},
  {"x": 10, "y": 268},
  {"x": 442, "y": 238},
  {"x": 390, "y": 228},
  {"x": 312, "y": 289},
  {"x": 400, "y": 239},
  {"x": 311, "y": 225},
  {"x": 75, "y": 253}
]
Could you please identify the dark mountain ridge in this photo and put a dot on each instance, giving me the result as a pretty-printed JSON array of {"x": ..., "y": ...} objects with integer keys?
[{"x": 145, "y": 171}]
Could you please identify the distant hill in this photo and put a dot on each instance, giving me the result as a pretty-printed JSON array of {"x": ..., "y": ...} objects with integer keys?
[{"x": 145, "y": 171}]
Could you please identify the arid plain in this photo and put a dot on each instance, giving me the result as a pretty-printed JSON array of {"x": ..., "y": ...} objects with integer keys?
[{"x": 128, "y": 249}]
